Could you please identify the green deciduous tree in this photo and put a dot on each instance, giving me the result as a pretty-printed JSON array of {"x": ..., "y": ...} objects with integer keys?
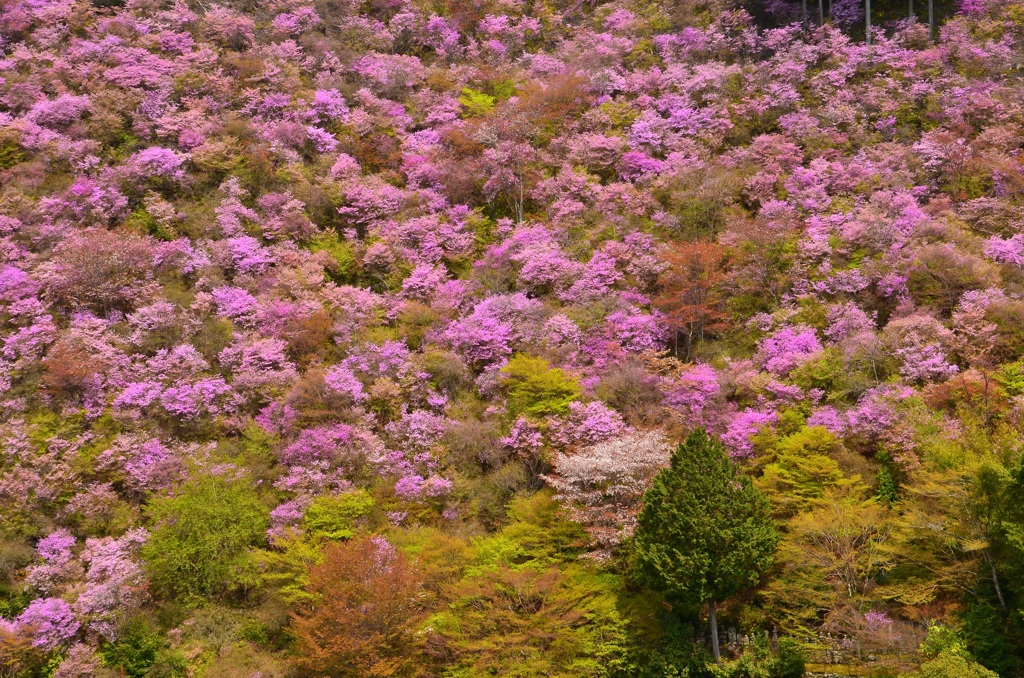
[
  {"x": 832, "y": 555},
  {"x": 526, "y": 605},
  {"x": 202, "y": 538},
  {"x": 801, "y": 470},
  {"x": 1008, "y": 526},
  {"x": 705, "y": 532},
  {"x": 953, "y": 666},
  {"x": 536, "y": 389},
  {"x": 334, "y": 517},
  {"x": 948, "y": 656}
]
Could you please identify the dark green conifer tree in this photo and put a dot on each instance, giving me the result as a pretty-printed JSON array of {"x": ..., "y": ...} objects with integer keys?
[{"x": 705, "y": 532}]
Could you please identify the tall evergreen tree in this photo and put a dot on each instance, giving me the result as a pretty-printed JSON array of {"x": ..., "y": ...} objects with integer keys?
[{"x": 705, "y": 532}]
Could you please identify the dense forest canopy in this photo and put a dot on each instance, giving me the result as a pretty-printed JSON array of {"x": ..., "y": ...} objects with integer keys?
[{"x": 646, "y": 338}]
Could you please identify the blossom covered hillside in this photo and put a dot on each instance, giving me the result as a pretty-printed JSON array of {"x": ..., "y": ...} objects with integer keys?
[{"x": 347, "y": 338}]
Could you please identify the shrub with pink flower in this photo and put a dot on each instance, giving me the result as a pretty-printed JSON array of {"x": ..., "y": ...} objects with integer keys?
[
  {"x": 417, "y": 431},
  {"x": 925, "y": 362},
  {"x": 693, "y": 395},
  {"x": 157, "y": 162},
  {"x": 588, "y": 424},
  {"x": 781, "y": 352},
  {"x": 292, "y": 245},
  {"x": 636, "y": 332},
  {"x": 741, "y": 428},
  {"x": 524, "y": 439},
  {"x": 482, "y": 340},
  {"x": 58, "y": 566},
  {"x": 50, "y": 621},
  {"x": 59, "y": 112},
  {"x": 339, "y": 443},
  {"x": 115, "y": 583},
  {"x": 413, "y": 487},
  {"x": 829, "y": 418},
  {"x": 1006, "y": 251},
  {"x": 343, "y": 381},
  {"x": 601, "y": 485}
]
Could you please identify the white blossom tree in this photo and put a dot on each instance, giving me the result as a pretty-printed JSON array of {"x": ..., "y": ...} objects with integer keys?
[{"x": 601, "y": 485}]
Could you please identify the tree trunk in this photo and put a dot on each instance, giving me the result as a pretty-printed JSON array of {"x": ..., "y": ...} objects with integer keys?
[
  {"x": 805, "y": 15},
  {"x": 867, "y": 20},
  {"x": 995, "y": 579},
  {"x": 714, "y": 632},
  {"x": 821, "y": 12},
  {"x": 931, "y": 19},
  {"x": 910, "y": 10}
]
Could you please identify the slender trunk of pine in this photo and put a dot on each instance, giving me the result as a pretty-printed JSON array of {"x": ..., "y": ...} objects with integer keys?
[
  {"x": 931, "y": 19},
  {"x": 910, "y": 10},
  {"x": 805, "y": 15},
  {"x": 714, "y": 631},
  {"x": 867, "y": 20},
  {"x": 821, "y": 12}
]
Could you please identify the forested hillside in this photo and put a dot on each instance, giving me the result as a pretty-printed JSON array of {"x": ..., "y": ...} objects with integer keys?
[{"x": 438, "y": 338}]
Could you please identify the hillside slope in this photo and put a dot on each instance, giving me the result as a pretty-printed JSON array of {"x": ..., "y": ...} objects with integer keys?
[{"x": 344, "y": 338}]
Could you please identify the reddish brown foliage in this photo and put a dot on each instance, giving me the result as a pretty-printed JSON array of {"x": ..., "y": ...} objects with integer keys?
[
  {"x": 548, "y": 107},
  {"x": 306, "y": 336},
  {"x": 69, "y": 368},
  {"x": 363, "y": 623},
  {"x": 690, "y": 298},
  {"x": 18, "y": 657},
  {"x": 101, "y": 270}
]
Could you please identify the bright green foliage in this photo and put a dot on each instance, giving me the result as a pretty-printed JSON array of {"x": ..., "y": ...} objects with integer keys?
[
  {"x": 140, "y": 651},
  {"x": 801, "y": 471},
  {"x": 135, "y": 650},
  {"x": 942, "y": 639},
  {"x": 339, "y": 250},
  {"x": 440, "y": 558},
  {"x": 536, "y": 534},
  {"x": 994, "y": 651},
  {"x": 997, "y": 508},
  {"x": 1009, "y": 527},
  {"x": 887, "y": 488},
  {"x": 536, "y": 389},
  {"x": 523, "y": 623},
  {"x": 201, "y": 540},
  {"x": 334, "y": 517},
  {"x": 142, "y": 221},
  {"x": 758, "y": 661},
  {"x": 949, "y": 665},
  {"x": 475, "y": 103},
  {"x": 834, "y": 549},
  {"x": 528, "y": 607},
  {"x": 789, "y": 660},
  {"x": 705, "y": 532},
  {"x": 256, "y": 449},
  {"x": 1011, "y": 377},
  {"x": 286, "y": 567},
  {"x": 503, "y": 89},
  {"x": 661, "y": 640},
  {"x": 826, "y": 372}
]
